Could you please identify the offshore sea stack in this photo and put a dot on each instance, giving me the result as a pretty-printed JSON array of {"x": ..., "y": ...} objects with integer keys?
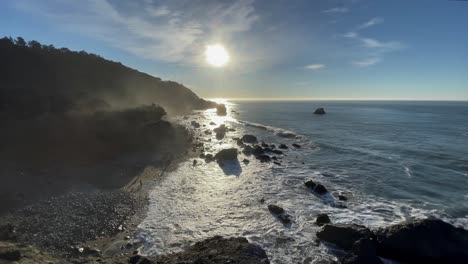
[
  {"x": 221, "y": 110},
  {"x": 319, "y": 111}
]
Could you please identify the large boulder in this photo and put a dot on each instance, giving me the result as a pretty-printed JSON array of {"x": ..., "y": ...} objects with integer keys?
[
  {"x": 221, "y": 110},
  {"x": 343, "y": 235},
  {"x": 249, "y": 138},
  {"x": 424, "y": 241},
  {"x": 364, "y": 251},
  {"x": 226, "y": 154},
  {"x": 319, "y": 111},
  {"x": 248, "y": 150},
  {"x": 214, "y": 250}
]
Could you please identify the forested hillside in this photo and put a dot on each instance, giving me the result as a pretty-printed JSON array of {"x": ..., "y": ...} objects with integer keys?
[{"x": 37, "y": 79}]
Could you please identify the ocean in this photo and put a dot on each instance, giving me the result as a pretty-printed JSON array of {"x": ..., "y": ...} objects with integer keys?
[{"x": 393, "y": 161}]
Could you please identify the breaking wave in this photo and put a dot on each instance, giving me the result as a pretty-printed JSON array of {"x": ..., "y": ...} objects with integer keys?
[{"x": 275, "y": 130}]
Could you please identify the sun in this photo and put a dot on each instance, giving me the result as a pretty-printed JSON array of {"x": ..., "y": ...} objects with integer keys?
[{"x": 216, "y": 55}]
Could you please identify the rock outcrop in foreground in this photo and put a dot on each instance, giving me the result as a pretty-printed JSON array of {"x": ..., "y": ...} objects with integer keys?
[
  {"x": 418, "y": 241},
  {"x": 215, "y": 250}
]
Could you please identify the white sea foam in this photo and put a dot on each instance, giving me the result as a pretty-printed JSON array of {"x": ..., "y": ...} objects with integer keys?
[
  {"x": 408, "y": 172},
  {"x": 196, "y": 202},
  {"x": 277, "y": 131}
]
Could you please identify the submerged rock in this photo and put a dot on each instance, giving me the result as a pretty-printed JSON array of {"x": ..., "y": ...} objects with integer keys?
[
  {"x": 310, "y": 184},
  {"x": 296, "y": 145},
  {"x": 319, "y": 111},
  {"x": 283, "y": 146},
  {"x": 226, "y": 154},
  {"x": 258, "y": 150},
  {"x": 263, "y": 158},
  {"x": 277, "y": 151},
  {"x": 342, "y": 198},
  {"x": 249, "y": 138},
  {"x": 320, "y": 189},
  {"x": 322, "y": 219},
  {"x": 280, "y": 213}
]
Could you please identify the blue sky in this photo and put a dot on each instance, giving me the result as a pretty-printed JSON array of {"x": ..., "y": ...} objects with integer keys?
[{"x": 314, "y": 49}]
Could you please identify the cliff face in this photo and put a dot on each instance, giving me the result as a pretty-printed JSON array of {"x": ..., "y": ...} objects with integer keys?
[{"x": 37, "y": 79}]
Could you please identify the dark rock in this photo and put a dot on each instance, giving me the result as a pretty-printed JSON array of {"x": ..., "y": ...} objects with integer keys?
[
  {"x": 320, "y": 189},
  {"x": 209, "y": 157},
  {"x": 283, "y": 146},
  {"x": 213, "y": 123},
  {"x": 194, "y": 163},
  {"x": 277, "y": 151},
  {"x": 195, "y": 124},
  {"x": 265, "y": 145},
  {"x": 280, "y": 213},
  {"x": 310, "y": 184},
  {"x": 232, "y": 129},
  {"x": 207, "y": 132},
  {"x": 424, "y": 241},
  {"x": 322, "y": 219},
  {"x": 364, "y": 251},
  {"x": 202, "y": 156},
  {"x": 342, "y": 198},
  {"x": 239, "y": 142},
  {"x": 267, "y": 149},
  {"x": 249, "y": 138},
  {"x": 221, "y": 110},
  {"x": 248, "y": 150},
  {"x": 275, "y": 209},
  {"x": 220, "y": 131},
  {"x": 218, "y": 250},
  {"x": 277, "y": 163},
  {"x": 274, "y": 158},
  {"x": 257, "y": 150},
  {"x": 246, "y": 161},
  {"x": 296, "y": 145},
  {"x": 226, "y": 154},
  {"x": 263, "y": 158},
  {"x": 342, "y": 235},
  {"x": 262, "y": 200},
  {"x": 319, "y": 111}
]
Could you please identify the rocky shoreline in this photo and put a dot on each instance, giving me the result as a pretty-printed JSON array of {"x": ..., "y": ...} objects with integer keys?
[{"x": 98, "y": 226}]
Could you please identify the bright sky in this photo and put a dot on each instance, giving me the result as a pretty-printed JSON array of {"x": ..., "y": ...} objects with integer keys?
[{"x": 321, "y": 49}]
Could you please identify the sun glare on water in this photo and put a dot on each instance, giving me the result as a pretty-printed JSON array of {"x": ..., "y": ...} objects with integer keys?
[{"x": 216, "y": 55}]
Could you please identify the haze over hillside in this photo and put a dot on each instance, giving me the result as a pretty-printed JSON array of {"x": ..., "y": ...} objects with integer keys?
[{"x": 36, "y": 79}]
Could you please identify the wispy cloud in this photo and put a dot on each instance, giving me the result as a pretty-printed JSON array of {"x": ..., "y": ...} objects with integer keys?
[
  {"x": 158, "y": 11},
  {"x": 314, "y": 66},
  {"x": 367, "y": 62},
  {"x": 162, "y": 32},
  {"x": 336, "y": 10},
  {"x": 374, "y": 21}
]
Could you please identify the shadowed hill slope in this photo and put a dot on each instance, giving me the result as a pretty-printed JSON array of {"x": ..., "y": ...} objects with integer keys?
[{"x": 37, "y": 79}]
